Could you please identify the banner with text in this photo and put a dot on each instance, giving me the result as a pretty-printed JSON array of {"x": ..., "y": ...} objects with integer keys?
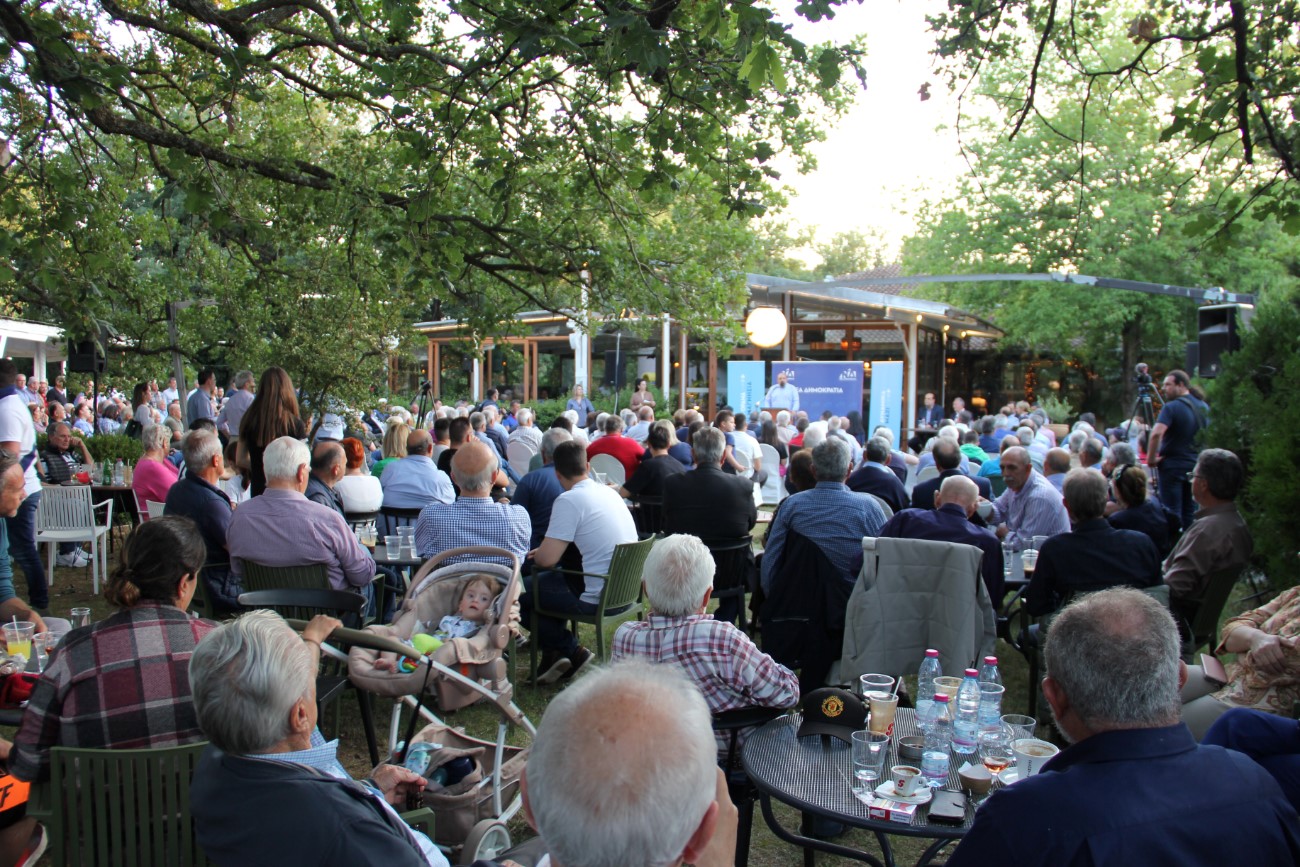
[
  {"x": 886, "y": 397},
  {"x": 823, "y": 385},
  {"x": 745, "y": 384}
]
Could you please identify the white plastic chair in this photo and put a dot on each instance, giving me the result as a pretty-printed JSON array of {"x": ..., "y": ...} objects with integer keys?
[
  {"x": 930, "y": 472},
  {"x": 745, "y": 461},
  {"x": 611, "y": 467},
  {"x": 520, "y": 453},
  {"x": 66, "y": 514},
  {"x": 155, "y": 508},
  {"x": 774, "y": 487}
]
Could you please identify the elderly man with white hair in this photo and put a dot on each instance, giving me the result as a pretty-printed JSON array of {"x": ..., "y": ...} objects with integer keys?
[
  {"x": 281, "y": 527},
  {"x": 270, "y": 789},
  {"x": 623, "y": 774},
  {"x": 730, "y": 671},
  {"x": 525, "y": 430}
]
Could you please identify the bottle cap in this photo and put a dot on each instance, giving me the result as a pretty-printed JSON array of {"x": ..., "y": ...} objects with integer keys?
[
  {"x": 990, "y": 660},
  {"x": 970, "y": 672},
  {"x": 941, "y": 697},
  {"x": 932, "y": 652}
]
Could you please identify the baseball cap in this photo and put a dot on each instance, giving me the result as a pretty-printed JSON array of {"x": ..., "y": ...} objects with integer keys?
[{"x": 831, "y": 711}]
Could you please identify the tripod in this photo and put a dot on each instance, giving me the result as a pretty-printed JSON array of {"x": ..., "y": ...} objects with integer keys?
[
  {"x": 426, "y": 396},
  {"x": 1142, "y": 406}
]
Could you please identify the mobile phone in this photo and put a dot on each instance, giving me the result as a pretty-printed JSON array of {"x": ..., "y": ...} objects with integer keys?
[
  {"x": 1213, "y": 670},
  {"x": 948, "y": 806}
]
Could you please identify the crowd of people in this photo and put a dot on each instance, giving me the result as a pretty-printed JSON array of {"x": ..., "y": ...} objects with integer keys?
[{"x": 1122, "y": 566}]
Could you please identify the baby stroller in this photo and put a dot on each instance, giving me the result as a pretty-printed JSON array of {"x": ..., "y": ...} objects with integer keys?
[{"x": 471, "y": 814}]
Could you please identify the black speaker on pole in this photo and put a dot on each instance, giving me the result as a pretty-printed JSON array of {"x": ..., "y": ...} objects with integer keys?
[
  {"x": 1192, "y": 357},
  {"x": 1218, "y": 332},
  {"x": 86, "y": 356},
  {"x": 615, "y": 366}
]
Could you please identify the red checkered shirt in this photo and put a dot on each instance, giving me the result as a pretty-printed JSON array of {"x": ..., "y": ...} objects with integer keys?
[
  {"x": 122, "y": 683},
  {"x": 728, "y": 668}
]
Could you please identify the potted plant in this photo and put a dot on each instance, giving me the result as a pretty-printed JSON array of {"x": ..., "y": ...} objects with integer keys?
[{"x": 1059, "y": 413}]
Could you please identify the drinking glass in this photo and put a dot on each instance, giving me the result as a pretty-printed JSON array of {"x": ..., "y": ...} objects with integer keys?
[
  {"x": 79, "y": 617},
  {"x": 875, "y": 683},
  {"x": 18, "y": 638},
  {"x": 995, "y": 749},
  {"x": 869, "y": 752},
  {"x": 1021, "y": 726},
  {"x": 393, "y": 547}
]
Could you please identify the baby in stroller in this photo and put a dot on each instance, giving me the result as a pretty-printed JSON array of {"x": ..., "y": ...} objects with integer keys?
[{"x": 472, "y": 612}]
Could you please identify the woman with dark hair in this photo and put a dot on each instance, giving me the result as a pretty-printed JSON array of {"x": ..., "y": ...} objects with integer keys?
[
  {"x": 641, "y": 396},
  {"x": 360, "y": 491},
  {"x": 1138, "y": 511},
  {"x": 767, "y": 434},
  {"x": 123, "y": 682},
  {"x": 141, "y": 409},
  {"x": 272, "y": 414},
  {"x": 856, "y": 430}
]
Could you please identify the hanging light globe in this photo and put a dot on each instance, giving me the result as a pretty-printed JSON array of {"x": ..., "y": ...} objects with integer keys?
[{"x": 766, "y": 326}]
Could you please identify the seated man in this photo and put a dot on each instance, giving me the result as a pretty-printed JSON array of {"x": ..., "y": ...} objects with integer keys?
[
  {"x": 328, "y": 464},
  {"x": 525, "y": 430},
  {"x": 198, "y": 496},
  {"x": 645, "y": 416},
  {"x": 661, "y": 813},
  {"x": 1093, "y": 555},
  {"x": 1030, "y": 506},
  {"x": 726, "y": 666},
  {"x": 653, "y": 473},
  {"x": 947, "y": 459},
  {"x": 626, "y": 451},
  {"x": 269, "y": 789},
  {"x": 474, "y": 518},
  {"x": 281, "y": 527},
  {"x": 414, "y": 482},
  {"x": 593, "y": 518},
  {"x": 1217, "y": 539},
  {"x": 539, "y": 488},
  {"x": 1055, "y": 465},
  {"x": 830, "y": 515},
  {"x": 710, "y": 504},
  {"x": 1134, "y": 787},
  {"x": 949, "y": 521},
  {"x": 875, "y": 477}
]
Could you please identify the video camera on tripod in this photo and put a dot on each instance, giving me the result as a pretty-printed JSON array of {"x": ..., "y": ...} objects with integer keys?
[{"x": 1147, "y": 396}]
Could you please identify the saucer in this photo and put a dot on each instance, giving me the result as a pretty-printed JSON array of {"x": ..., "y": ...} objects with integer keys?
[
  {"x": 922, "y": 796},
  {"x": 1009, "y": 775}
]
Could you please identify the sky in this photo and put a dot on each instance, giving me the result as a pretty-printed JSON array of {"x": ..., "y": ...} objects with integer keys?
[{"x": 890, "y": 144}]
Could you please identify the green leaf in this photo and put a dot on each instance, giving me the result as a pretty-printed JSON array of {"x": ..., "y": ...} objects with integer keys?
[{"x": 763, "y": 66}]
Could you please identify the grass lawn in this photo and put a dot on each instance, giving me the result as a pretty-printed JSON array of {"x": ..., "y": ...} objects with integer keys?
[{"x": 73, "y": 588}]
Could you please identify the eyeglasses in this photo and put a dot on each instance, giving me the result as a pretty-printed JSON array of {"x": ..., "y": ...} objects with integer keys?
[{"x": 1192, "y": 475}]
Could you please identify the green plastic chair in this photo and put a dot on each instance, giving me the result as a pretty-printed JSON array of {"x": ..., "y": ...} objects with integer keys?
[
  {"x": 1201, "y": 619},
  {"x": 310, "y": 577},
  {"x": 120, "y": 807},
  {"x": 622, "y": 588}
]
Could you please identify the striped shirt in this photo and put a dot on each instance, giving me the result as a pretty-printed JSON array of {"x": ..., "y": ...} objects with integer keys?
[
  {"x": 473, "y": 521},
  {"x": 1034, "y": 510},
  {"x": 831, "y": 516}
]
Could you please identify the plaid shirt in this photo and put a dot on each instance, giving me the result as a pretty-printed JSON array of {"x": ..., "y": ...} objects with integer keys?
[
  {"x": 473, "y": 521},
  {"x": 121, "y": 683},
  {"x": 728, "y": 668}
]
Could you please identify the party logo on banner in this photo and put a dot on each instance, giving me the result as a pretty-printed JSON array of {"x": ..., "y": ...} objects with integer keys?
[{"x": 826, "y": 385}]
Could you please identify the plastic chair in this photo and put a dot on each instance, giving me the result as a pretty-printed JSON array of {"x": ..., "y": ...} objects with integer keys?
[
  {"x": 396, "y": 516},
  {"x": 120, "y": 807},
  {"x": 333, "y": 681},
  {"x": 648, "y": 513},
  {"x": 154, "y": 509},
  {"x": 730, "y": 567},
  {"x": 519, "y": 453},
  {"x": 66, "y": 514},
  {"x": 360, "y": 520},
  {"x": 1200, "y": 625},
  {"x": 774, "y": 488},
  {"x": 309, "y": 577},
  {"x": 997, "y": 483},
  {"x": 930, "y": 472},
  {"x": 745, "y": 461},
  {"x": 622, "y": 590},
  {"x": 611, "y": 467},
  {"x": 739, "y": 787}
]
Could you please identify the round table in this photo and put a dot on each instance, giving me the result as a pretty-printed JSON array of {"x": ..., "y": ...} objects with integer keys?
[{"x": 812, "y": 775}]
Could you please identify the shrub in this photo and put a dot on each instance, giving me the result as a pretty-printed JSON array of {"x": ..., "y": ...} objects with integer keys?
[{"x": 1254, "y": 407}]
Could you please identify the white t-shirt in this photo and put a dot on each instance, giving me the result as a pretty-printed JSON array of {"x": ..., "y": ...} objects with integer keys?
[
  {"x": 747, "y": 444},
  {"x": 594, "y": 518},
  {"x": 16, "y": 426}
]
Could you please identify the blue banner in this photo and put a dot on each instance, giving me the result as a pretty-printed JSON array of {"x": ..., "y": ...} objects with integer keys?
[
  {"x": 822, "y": 385},
  {"x": 886, "y": 398},
  {"x": 745, "y": 384}
]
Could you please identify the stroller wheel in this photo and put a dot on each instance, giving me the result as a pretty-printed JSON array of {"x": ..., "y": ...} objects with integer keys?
[{"x": 486, "y": 840}]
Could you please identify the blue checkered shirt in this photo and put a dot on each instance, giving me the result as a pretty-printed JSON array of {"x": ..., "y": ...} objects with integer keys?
[
  {"x": 829, "y": 515},
  {"x": 473, "y": 521}
]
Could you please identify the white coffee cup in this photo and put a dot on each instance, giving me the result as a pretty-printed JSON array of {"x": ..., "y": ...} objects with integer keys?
[
  {"x": 1031, "y": 755},
  {"x": 906, "y": 779},
  {"x": 985, "y": 508}
]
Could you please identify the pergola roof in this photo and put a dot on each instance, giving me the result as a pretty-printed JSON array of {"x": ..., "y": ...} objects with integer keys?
[{"x": 25, "y": 339}]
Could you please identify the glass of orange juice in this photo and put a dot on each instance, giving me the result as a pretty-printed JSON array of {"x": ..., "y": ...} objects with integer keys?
[{"x": 18, "y": 638}]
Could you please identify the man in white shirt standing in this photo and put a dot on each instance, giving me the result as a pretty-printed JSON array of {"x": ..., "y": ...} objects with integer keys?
[
  {"x": 592, "y": 517},
  {"x": 18, "y": 436}
]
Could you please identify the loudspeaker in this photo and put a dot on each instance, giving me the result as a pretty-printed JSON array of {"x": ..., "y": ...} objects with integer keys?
[
  {"x": 1218, "y": 332},
  {"x": 467, "y": 363},
  {"x": 86, "y": 357},
  {"x": 1192, "y": 357},
  {"x": 615, "y": 365}
]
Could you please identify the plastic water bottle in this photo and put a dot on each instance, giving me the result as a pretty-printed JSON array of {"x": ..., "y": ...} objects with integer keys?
[
  {"x": 938, "y": 739},
  {"x": 966, "y": 721},
  {"x": 989, "y": 671},
  {"x": 119, "y": 473},
  {"x": 1008, "y": 553},
  {"x": 930, "y": 669}
]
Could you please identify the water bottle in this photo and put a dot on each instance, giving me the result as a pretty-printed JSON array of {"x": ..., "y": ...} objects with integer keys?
[
  {"x": 1008, "y": 553},
  {"x": 119, "y": 473},
  {"x": 966, "y": 721},
  {"x": 938, "y": 738},
  {"x": 930, "y": 669},
  {"x": 989, "y": 671}
]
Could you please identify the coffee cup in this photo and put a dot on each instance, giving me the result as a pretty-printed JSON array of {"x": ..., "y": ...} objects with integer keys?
[
  {"x": 1031, "y": 755},
  {"x": 984, "y": 509},
  {"x": 906, "y": 779}
]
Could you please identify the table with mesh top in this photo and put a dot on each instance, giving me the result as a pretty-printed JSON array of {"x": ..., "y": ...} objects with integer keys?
[{"x": 812, "y": 775}]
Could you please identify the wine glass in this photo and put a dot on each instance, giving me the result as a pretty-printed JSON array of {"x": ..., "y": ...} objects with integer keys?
[{"x": 995, "y": 749}]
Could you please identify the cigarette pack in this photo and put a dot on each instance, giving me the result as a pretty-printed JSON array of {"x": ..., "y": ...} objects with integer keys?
[{"x": 891, "y": 811}]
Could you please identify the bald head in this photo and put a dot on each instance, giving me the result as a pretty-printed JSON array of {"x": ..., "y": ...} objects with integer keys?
[
  {"x": 473, "y": 468},
  {"x": 328, "y": 462},
  {"x": 960, "y": 490},
  {"x": 418, "y": 442},
  {"x": 1057, "y": 461}
]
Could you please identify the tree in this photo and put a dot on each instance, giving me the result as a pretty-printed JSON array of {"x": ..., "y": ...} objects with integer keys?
[
  {"x": 1237, "y": 59},
  {"x": 848, "y": 252},
  {"x": 479, "y": 152}
]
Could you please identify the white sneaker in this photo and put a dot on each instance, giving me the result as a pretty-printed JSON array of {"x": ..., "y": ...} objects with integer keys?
[
  {"x": 83, "y": 559},
  {"x": 70, "y": 560}
]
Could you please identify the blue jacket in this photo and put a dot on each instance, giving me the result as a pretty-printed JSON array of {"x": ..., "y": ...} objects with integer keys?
[{"x": 1152, "y": 797}]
